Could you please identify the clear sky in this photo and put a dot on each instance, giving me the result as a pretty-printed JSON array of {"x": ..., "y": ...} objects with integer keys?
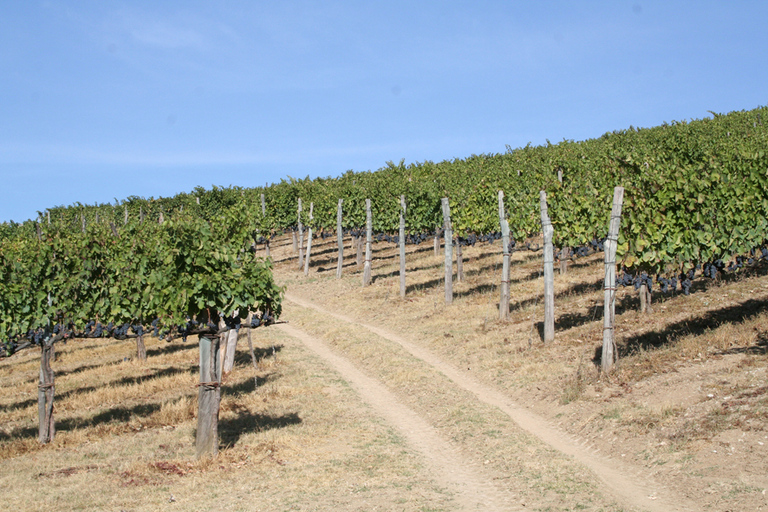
[{"x": 100, "y": 100}]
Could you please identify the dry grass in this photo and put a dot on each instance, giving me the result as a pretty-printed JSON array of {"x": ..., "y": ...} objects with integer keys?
[
  {"x": 670, "y": 360},
  {"x": 125, "y": 437},
  {"x": 691, "y": 381}
]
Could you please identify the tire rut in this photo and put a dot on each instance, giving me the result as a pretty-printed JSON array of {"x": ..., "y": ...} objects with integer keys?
[
  {"x": 471, "y": 490},
  {"x": 626, "y": 483}
]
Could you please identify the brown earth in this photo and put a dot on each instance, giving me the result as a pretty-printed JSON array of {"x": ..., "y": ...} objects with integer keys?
[
  {"x": 366, "y": 401},
  {"x": 681, "y": 424}
]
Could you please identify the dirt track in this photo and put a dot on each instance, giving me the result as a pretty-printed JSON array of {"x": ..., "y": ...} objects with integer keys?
[{"x": 628, "y": 486}]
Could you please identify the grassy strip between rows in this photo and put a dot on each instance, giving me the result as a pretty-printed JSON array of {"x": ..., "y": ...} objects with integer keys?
[
  {"x": 536, "y": 475},
  {"x": 301, "y": 440}
]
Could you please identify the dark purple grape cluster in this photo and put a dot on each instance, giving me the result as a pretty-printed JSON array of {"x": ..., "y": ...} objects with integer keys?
[
  {"x": 643, "y": 279},
  {"x": 667, "y": 284}
]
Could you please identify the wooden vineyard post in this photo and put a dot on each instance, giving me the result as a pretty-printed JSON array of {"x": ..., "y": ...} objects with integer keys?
[
  {"x": 46, "y": 427},
  {"x": 459, "y": 262},
  {"x": 565, "y": 253},
  {"x": 309, "y": 239},
  {"x": 368, "y": 241},
  {"x": 609, "y": 343},
  {"x": 645, "y": 298},
  {"x": 437, "y": 241},
  {"x": 230, "y": 348},
  {"x": 295, "y": 241},
  {"x": 359, "y": 249},
  {"x": 549, "y": 271},
  {"x": 141, "y": 349},
  {"x": 339, "y": 241},
  {"x": 264, "y": 214},
  {"x": 448, "y": 235},
  {"x": 401, "y": 243},
  {"x": 301, "y": 237},
  {"x": 253, "y": 355},
  {"x": 504, "y": 300},
  {"x": 208, "y": 398}
]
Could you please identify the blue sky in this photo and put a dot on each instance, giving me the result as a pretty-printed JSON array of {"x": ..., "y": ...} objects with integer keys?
[{"x": 100, "y": 100}]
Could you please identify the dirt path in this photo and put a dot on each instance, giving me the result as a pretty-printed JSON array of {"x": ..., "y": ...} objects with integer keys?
[
  {"x": 628, "y": 484},
  {"x": 471, "y": 489}
]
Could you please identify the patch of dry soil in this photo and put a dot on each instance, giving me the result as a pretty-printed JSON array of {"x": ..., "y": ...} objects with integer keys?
[{"x": 629, "y": 484}]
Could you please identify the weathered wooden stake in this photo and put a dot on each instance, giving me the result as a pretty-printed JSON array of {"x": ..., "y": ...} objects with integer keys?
[
  {"x": 448, "y": 236},
  {"x": 141, "y": 349},
  {"x": 230, "y": 337},
  {"x": 208, "y": 398},
  {"x": 309, "y": 239},
  {"x": 565, "y": 253},
  {"x": 301, "y": 238},
  {"x": 437, "y": 241},
  {"x": 549, "y": 271},
  {"x": 504, "y": 300},
  {"x": 125, "y": 214},
  {"x": 401, "y": 243},
  {"x": 45, "y": 390},
  {"x": 459, "y": 262},
  {"x": 359, "y": 249},
  {"x": 645, "y": 299},
  {"x": 339, "y": 241},
  {"x": 609, "y": 304},
  {"x": 368, "y": 243}
]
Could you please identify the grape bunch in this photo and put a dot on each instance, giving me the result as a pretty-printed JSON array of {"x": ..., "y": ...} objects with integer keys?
[
  {"x": 232, "y": 322},
  {"x": 263, "y": 319},
  {"x": 667, "y": 285},
  {"x": 686, "y": 281},
  {"x": 643, "y": 279},
  {"x": 118, "y": 332},
  {"x": 37, "y": 336},
  {"x": 710, "y": 270},
  {"x": 628, "y": 279},
  {"x": 469, "y": 241},
  {"x": 490, "y": 237}
]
